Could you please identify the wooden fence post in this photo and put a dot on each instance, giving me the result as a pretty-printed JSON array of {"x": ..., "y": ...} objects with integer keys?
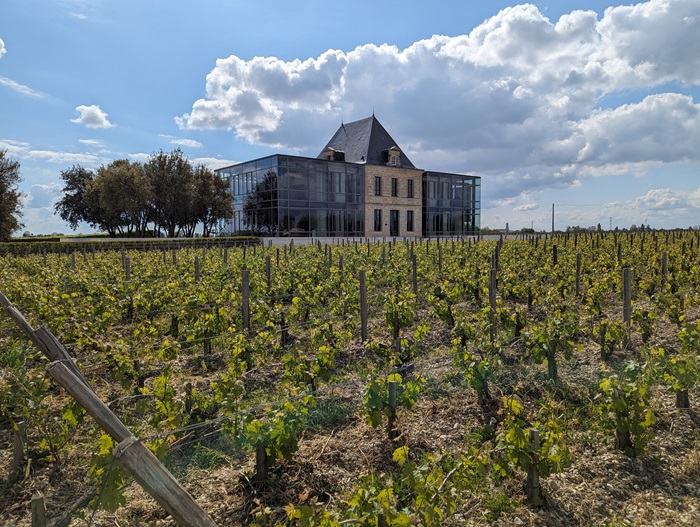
[
  {"x": 578, "y": 275},
  {"x": 38, "y": 507},
  {"x": 245, "y": 276},
  {"x": 18, "y": 441},
  {"x": 391, "y": 424},
  {"x": 627, "y": 302},
  {"x": 533, "y": 475},
  {"x": 363, "y": 305}
]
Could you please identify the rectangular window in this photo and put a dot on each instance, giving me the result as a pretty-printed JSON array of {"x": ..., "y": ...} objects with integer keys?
[
  {"x": 394, "y": 187},
  {"x": 409, "y": 220},
  {"x": 377, "y": 220},
  {"x": 393, "y": 160},
  {"x": 377, "y": 186},
  {"x": 409, "y": 191}
]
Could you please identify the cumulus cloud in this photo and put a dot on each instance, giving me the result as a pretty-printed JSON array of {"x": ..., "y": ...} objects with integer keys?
[
  {"x": 212, "y": 163},
  {"x": 3, "y": 50},
  {"x": 92, "y": 117},
  {"x": 516, "y": 98},
  {"x": 139, "y": 156},
  {"x": 664, "y": 199}
]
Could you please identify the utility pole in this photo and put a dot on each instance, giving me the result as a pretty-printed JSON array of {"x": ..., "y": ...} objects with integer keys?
[{"x": 552, "y": 218}]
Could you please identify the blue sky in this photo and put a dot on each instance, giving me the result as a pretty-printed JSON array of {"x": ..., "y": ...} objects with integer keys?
[{"x": 591, "y": 105}]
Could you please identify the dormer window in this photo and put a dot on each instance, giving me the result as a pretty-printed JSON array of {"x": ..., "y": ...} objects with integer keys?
[{"x": 393, "y": 156}]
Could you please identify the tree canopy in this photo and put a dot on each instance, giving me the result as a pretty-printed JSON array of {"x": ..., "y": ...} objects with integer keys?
[
  {"x": 126, "y": 197},
  {"x": 10, "y": 196}
]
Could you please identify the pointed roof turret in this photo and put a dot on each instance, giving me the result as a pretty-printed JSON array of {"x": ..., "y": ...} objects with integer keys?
[{"x": 364, "y": 141}]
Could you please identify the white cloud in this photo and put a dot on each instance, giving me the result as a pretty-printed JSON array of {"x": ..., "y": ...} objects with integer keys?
[
  {"x": 212, "y": 163},
  {"x": 189, "y": 143},
  {"x": 19, "y": 88},
  {"x": 13, "y": 147},
  {"x": 92, "y": 117},
  {"x": 516, "y": 99},
  {"x": 44, "y": 195},
  {"x": 91, "y": 142},
  {"x": 139, "y": 156},
  {"x": 51, "y": 156},
  {"x": 661, "y": 199},
  {"x": 526, "y": 207},
  {"x": 3, "y": 49}
]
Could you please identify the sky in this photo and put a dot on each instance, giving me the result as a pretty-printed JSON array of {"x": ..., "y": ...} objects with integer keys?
[{"x": 591, "y": 106}]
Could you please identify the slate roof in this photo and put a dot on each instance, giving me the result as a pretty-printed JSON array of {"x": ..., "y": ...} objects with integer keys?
[{"x": 365, "y": 141}]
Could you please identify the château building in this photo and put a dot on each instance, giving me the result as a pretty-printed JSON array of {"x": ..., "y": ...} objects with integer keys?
[{"x": 361, "y": 184}]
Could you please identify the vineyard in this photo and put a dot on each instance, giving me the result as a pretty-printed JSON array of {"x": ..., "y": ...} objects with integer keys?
[{"x": 548, "y": 380}]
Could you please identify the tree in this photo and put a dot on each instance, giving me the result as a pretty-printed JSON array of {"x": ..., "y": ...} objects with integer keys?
[
  {"x": 73, "y": 207},
  {"x": 170, "y": 177},
  {"x": 212, "y": 200},
  {"x": 121, "y": 197},
  {"x": 10, "y": 196},
  {"x": 260, "y": 206}
]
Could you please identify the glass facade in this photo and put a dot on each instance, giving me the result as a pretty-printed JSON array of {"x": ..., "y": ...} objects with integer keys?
[
  {"x": 451, "y": 204},
  {"x": 293, "y": 196}
]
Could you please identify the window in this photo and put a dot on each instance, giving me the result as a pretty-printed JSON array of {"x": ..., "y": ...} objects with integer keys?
[
  {"x": 409, "y": 220},
  {"x": 377, "y": 186},
  {"x": 409, "y": 191},
  {"x": 377, "y": 220},
  {"x": 394, "y": 187},
  {"x": 393, "y": 160}
]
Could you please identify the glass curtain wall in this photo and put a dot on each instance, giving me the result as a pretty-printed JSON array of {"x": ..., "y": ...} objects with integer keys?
[
  {"x": 451, "y": 204},
  {"x": 293, "y": 196}
]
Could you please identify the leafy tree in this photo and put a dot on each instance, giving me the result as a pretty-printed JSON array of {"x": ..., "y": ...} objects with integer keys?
[
  {"x": 9, "y": 196},
  {"x": 260, "y": 207},
  {"x": 212, "y": 199},
  {"x": 170, "y": 177},
  {"x": 73, "y": 207},
  {"x": 121, "y": 196}
]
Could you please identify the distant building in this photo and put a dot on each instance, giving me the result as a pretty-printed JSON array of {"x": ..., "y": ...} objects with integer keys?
[{"x": 361, "y": 184}]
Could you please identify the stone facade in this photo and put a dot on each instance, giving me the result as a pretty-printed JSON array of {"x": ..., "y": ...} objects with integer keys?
[{"x": 386, "y": 203}]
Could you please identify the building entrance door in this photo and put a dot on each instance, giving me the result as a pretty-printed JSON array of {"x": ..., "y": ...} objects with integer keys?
[{"x": 393, "y": 223}]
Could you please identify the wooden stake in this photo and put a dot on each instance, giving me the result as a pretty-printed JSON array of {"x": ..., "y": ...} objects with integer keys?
[
  {"x": 38, "y": 507},
  {"x": 363, "y": 305},
  {"x": 245, "y": 277},
  {"x": 534, "y": 496}
]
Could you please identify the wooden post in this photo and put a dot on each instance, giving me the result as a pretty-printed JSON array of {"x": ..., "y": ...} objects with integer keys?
[
  {"x": 627, "y": 294},
  {"x": 578, "y": 274},
  {"x": 664, "y": 267},
  {"x": 138, "y": 460},
  {"x": 174, "y": 257},
  {"x": 226, "y": 255},
  {"x": 18, "y": 440},
  {"x": 127, "y": 268},
  {"x": 38, "y": 507},
  {"x": 245, "y": 276},
  {"x": 493, "y": 288},
  {"x": 363, "y": 305},
  {"x": 268, "y": 272},
  {"x": 72, "y": 260},
  {"x": 414, "y": 262},
  {"x": 440, "y": 258},
  {"x": 260, "y": 462},
  {"x": 619, "y": 253},
  {"x": 555, "y": 256},
  {"x": 534, "y": 497},
  {"x": 197, "y": 271},
  {"x": 391, "y": 424}
]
